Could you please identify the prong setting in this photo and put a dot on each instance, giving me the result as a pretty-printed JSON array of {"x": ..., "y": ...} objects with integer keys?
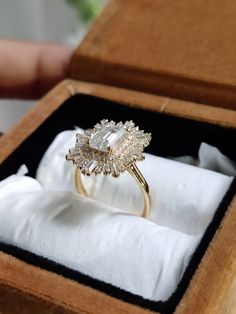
[{"x": 108, "y": 148}]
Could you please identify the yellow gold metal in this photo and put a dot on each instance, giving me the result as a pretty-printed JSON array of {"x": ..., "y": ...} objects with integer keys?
[{"x": 136, "y": 174}]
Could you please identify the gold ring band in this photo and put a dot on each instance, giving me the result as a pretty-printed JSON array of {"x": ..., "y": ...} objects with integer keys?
[{"x": 135, "y": 173}]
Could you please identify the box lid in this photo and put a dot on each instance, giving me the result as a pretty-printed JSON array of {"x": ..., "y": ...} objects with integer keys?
[{"x": 184, "y": 49}]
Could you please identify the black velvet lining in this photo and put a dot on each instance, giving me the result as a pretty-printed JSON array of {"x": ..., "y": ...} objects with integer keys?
[{"x": 172, "y": 136}]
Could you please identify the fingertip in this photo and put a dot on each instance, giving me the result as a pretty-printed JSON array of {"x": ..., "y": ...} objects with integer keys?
[{"x": 29, "y": 70}]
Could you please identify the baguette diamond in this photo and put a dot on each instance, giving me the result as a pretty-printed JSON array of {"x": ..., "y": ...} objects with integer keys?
[{"x": 108, "y": 148}]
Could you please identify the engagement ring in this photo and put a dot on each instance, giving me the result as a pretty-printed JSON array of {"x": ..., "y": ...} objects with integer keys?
[{"x": 110, "y": 148}]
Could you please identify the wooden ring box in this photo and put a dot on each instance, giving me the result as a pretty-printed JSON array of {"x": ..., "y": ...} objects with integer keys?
[{"x": 144, "y": 60}]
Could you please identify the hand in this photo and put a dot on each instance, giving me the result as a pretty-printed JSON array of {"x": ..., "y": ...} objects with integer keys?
[{"x": 28, "y": 70}]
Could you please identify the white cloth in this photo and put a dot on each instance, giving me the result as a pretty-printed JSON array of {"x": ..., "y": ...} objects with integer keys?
[
  {"x": 211, "y": 158},
  {"x": 98, "y": 237}
]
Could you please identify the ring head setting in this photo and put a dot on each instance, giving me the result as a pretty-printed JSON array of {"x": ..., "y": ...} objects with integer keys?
[{"x": 108, "y": 148}]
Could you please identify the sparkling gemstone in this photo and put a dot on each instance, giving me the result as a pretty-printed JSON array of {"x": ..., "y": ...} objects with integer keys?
[
  {"x": 107, "y": 138},
  {"x": 108, "y": 148},
  {"x": 92, "y": 164}
]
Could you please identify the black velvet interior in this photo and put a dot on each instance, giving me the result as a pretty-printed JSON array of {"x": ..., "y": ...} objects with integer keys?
[{"x": 172, "y": 136}]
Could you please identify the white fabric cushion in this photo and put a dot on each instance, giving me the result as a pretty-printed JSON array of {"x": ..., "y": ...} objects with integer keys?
[
  {"x": 184, "y": 197},
  {"x": 99, "y": 237}
]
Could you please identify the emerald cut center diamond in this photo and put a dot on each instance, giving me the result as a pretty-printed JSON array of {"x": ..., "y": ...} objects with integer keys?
[
  {"x": 108, "y": 148},
  {"x": 107, "y": 138}
]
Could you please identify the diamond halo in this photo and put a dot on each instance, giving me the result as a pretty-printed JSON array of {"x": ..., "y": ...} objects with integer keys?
[{"x": 108, "y": 148}]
